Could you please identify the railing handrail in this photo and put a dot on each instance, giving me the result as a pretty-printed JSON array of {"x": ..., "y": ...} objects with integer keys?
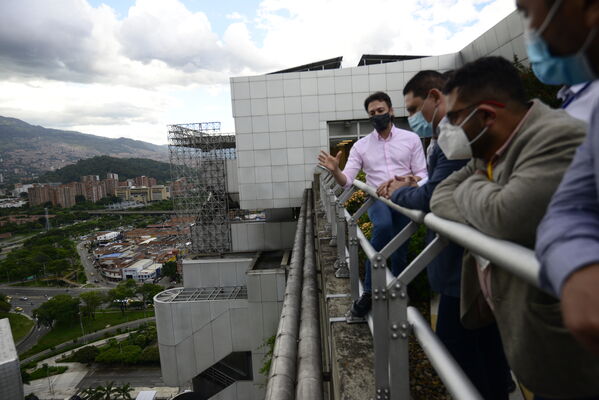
[
  {"x": 391, "y": 318},
  {"x": 513, "y": 257}
]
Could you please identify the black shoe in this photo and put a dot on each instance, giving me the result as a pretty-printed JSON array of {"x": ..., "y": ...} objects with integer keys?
[{"x": 360, "y": 307}]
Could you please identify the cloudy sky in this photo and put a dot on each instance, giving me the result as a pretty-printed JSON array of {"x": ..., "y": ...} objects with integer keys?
[{"x": 127, "y": 68}]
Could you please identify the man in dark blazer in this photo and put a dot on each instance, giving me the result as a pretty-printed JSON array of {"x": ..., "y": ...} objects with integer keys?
[{"x": 478, "y": 351}]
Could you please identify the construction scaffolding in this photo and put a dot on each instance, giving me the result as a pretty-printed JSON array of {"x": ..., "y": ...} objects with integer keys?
[{"x": 198, "y": 154}]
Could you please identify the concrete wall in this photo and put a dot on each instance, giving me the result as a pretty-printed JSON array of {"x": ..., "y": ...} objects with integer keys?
[
  {"x": 252, "y": 236},
  {"x": 282, "y": 120},
  {"x": 215, "y": 272},
  {"x": 266, "y": 292},
  {"x": 193, "y": 336},
  {"x": 11, "y": 386}
]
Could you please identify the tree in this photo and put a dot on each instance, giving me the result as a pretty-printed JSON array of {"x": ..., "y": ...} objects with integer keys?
[
  {"x": 148, "y": 291},
  {"x": 4, "y": 304},
  {"x": 61, "y": 308},
  {"x": 92, "y": 300},
  {"x": 122, "y": 292},
  {"x": 534, "y": 88},
  {"x": 170, "y": 269}
]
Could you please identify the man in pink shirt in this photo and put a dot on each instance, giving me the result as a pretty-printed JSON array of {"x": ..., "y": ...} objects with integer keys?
[{"x": 385, "y": 153}]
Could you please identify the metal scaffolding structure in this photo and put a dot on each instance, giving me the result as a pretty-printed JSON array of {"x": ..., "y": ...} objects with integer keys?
[{"x": 198, "y": 154}]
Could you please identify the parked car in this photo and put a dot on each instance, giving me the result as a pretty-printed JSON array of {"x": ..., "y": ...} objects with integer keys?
[{"x": 18, "y": 309}]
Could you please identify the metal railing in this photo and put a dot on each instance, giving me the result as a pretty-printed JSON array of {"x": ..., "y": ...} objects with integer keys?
[{"x": 392, "y": 319}]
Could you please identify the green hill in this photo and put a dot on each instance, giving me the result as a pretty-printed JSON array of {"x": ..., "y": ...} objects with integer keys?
[
  {"x": 126, "y": 168},
  {"x": 27, "y": 151}
]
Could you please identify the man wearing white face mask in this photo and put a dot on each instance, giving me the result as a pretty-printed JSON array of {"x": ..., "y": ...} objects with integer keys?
[
  {"x": 479, "y": 352},
  {"x": 520, "y": 151}
]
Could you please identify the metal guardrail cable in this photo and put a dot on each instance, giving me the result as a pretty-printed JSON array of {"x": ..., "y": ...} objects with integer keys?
[{"x": 449, "y": 371}]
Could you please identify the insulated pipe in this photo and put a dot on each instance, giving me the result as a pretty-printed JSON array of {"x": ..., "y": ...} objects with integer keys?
[
  {"x": 283, "y": 371},
  {"x": 309, "y": 377}
]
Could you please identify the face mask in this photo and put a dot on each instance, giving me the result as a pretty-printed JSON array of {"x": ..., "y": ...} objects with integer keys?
[
  {"x": 381, "y": 122},
  {"x": 557, "y": 70},
  {"x": 420, "y": 125},
  {"x": 453, "y": 140}
]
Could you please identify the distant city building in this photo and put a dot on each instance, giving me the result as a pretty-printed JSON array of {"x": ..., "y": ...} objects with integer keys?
[
  {"x": 11, "y": 386},
  {"x": 111, "y": 175},
  {"x": 90, "y": 178}
]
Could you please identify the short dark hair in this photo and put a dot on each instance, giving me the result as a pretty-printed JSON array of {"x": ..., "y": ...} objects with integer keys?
[
  {"x": 377, "y": 96},
  {"x": 493, "y": 78},
  {"x": 423, "y": 82}
]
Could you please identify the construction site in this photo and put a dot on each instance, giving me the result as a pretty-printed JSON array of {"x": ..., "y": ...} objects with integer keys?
[{"x": 202, "y": 189}]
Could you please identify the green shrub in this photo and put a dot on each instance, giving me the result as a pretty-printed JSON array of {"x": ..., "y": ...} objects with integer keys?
[
  {"x": 85, "y": 355},
  {"x": 150, "y": 355}
]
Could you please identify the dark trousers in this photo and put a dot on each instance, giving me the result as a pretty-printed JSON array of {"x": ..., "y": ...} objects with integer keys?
[
  {"x": 386, "y": 224},
  {"x": 478, "y": 351}
]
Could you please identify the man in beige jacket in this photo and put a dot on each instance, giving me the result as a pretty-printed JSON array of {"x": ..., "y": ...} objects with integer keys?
[{"x": 519, "y": 151}]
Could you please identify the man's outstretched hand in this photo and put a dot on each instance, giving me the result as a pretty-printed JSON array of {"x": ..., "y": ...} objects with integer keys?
[
  {"x": 328, "y": 161},
  {"x": 580, "y": 306}
]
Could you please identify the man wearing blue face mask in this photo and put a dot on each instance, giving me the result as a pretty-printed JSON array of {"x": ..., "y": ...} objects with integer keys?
[
  {"x": 520, "y": 151},
  {"x": 565, "y": 50},
  {"x": 479, "y": 352}
]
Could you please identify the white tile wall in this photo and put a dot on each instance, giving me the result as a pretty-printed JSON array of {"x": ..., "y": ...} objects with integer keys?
[{"x": 291, "y": 108}]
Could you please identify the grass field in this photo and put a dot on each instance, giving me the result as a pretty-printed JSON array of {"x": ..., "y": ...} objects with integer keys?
[
  {"x": 62, "y": 333},
  {"x": 19, "y": 325}
]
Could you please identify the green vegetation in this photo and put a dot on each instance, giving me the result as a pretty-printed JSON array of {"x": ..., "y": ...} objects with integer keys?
[
  {"x": 162, "y": 205},
  {"x": 139, "y": 348},
  {"x": 49, "y": 254},
  {"x": 71, "y": 330},
  {"x": 169, "y": 269},
  {"x": 107, "y": 392},
  {"x": 535, "y": 88},
  {"x": 126, "y": 168},
  {"x": 19, "y": 325},
  {"x": 45, "y": 371},
  {"x": 52, "y": 254}
]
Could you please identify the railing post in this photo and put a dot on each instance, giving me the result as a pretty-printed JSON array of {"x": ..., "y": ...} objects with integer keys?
[
  {"x": 333, "y": 216},
  {"x": 341, "y": 263},
  {"x": 399, "y": 358},
  {"x": 380, "y": 322},
  {"x": 354, "y": 267}
]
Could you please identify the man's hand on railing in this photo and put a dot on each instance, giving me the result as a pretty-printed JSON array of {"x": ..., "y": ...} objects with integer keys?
[
  {"x": 387, "y": 188},
  {"x": 580, "y": 298}
]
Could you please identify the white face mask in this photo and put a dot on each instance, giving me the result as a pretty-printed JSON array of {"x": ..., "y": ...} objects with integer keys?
[{"x": 453, "y": 140}]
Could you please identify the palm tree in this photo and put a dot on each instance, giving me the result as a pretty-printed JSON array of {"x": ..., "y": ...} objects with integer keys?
[
  {"x": 100, "y": 392},
  {"x": 108, "y": 392},
  {"x": 123, "y": 391}
]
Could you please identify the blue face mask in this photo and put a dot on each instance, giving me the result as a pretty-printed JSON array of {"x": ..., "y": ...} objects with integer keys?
[
  {"x": 557, "y": 70},
  {"x": 420, "y": 125}
]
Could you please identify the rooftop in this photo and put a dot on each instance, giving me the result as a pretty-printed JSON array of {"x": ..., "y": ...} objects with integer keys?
[{"x": 200, "y": 294}]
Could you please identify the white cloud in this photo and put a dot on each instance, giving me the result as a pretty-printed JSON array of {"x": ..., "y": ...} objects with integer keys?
[{"x": 67, "y": 64}]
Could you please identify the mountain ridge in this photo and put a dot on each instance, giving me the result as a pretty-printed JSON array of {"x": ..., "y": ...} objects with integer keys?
[{"x": 27, "y": 151}]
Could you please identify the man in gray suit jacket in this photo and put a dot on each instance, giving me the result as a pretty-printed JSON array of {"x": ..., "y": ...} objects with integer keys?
[{"x": 520, "y": 151}]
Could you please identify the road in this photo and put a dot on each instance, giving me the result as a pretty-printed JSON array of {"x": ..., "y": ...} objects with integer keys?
[
  {"x": 91, "y": 273},
  {"x": 138, "y": 376}
]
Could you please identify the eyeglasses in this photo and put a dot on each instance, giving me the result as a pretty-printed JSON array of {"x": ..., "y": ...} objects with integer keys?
[{"x": 452, "y": 116}]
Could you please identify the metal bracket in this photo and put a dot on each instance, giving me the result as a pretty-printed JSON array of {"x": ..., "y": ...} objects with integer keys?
[
  {"x": 351, "y": 319},
  {"x": 337, "y": 295},
  {"x": 342, "y": 271}
]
